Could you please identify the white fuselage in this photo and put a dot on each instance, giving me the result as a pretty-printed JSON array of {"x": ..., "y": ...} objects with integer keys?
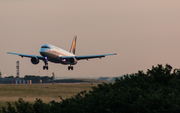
[
  {"x": 57, "y": 55},
  {"x": 54, "y": 54}
]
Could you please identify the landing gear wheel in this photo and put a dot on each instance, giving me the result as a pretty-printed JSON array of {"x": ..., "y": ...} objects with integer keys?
[
  {"x": 70, "y": 68},
  {"x": 45, "y": 67}
]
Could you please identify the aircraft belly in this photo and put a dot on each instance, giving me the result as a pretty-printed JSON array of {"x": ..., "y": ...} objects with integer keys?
[
  {"x": 55, "y": 56},
  {"x": 57, "y": 60}
]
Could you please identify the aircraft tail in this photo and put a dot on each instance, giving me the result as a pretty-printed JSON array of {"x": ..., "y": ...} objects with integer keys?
[{"x": 73, "y": 46}]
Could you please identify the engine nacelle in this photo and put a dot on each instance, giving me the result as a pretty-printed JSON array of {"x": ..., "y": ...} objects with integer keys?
[
  {"x": 72, "y": 61},
  {"x": 34, "y": 60}
]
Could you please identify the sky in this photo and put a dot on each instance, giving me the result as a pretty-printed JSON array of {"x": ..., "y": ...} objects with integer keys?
[{"x": 142, "y": 32}]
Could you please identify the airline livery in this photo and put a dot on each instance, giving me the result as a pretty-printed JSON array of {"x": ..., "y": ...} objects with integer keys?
[{"x": 57, "y": 55}]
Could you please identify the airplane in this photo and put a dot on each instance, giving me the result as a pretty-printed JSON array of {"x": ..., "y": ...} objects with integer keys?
[{"x": 57, "y": 55}]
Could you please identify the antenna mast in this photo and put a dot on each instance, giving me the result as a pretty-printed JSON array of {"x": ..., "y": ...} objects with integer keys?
[{"x": 17, "y": 69}]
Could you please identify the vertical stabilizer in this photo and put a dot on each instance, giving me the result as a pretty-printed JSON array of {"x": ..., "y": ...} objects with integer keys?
[{"x": 73, "y": 46}]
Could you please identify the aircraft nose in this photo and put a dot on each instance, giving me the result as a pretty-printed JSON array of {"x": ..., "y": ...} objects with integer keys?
[{"x": 43, "y": 51}]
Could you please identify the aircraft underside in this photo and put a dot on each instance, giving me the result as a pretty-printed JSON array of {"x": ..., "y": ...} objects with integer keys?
[{"x": 64, "y": 62}]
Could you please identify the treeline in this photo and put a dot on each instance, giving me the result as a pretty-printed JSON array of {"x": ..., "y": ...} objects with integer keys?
[
  {"x": 156, "y": 91},
  {"x": 33, "y": 77}
]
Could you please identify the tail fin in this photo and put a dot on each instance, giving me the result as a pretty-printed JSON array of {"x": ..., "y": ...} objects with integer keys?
[{"x": 73, "y": 46}]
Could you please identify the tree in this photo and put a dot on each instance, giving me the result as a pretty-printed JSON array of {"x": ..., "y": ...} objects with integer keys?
[{"x": 156, "y": 91}]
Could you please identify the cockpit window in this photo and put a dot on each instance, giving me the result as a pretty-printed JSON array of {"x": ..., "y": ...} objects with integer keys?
[{"x": 45, "y": 47}]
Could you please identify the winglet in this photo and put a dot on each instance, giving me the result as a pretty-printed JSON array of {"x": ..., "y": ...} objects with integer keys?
[{"x": 73, "y": 46}]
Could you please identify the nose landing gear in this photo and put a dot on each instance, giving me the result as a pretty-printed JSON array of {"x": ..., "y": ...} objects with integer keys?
[{"x": 46, "y": 65}]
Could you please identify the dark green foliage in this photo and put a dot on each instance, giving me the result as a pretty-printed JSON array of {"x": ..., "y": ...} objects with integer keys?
[
  {"x": 36, "y": 79},
  {"x": 41, "y": 107},
  {"x": 23, "y": 107},
  {"x": 156, "y": 91}
]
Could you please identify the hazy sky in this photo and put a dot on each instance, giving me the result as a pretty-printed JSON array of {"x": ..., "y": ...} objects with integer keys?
[{"x": 142, "y": 32}]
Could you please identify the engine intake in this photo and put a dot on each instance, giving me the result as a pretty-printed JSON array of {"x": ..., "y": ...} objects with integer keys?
[
  {"x": 34, "y": 60},
  {"x": 72, "y": 61}
]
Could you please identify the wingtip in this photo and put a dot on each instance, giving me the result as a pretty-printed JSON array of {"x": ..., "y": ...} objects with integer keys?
[
  {"x": 115, "y": 53},
  {"x": 9, "y": 52}
]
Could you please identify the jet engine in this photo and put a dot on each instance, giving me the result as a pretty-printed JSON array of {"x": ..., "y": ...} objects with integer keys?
[
  {"x": 72, "y": 61},
  {"x": 34, "y": 60}
]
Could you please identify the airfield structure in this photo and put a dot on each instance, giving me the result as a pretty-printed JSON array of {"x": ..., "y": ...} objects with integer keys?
[{"x": 17, "y": 69}]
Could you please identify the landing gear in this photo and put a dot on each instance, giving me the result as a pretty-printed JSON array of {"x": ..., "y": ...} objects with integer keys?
[
  {"x": 70, "y": 68},
  {"x": 46, "y": 65}
]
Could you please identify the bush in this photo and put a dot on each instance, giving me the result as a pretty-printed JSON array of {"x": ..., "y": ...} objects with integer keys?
[{"x": 157, "y": 90}]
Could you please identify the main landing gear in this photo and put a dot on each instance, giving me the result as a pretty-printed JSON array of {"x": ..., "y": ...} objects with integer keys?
[
  {"x": 70, "y": 68},
  {"x": 45, "y": 67}
]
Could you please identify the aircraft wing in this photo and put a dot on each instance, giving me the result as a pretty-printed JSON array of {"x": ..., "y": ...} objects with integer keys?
[
  {"x": 25, "y": 55},
  {"x": 88, "y": 56}
]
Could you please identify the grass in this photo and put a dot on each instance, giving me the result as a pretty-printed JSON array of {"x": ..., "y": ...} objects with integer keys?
[{"x": 45, "y": 92}]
